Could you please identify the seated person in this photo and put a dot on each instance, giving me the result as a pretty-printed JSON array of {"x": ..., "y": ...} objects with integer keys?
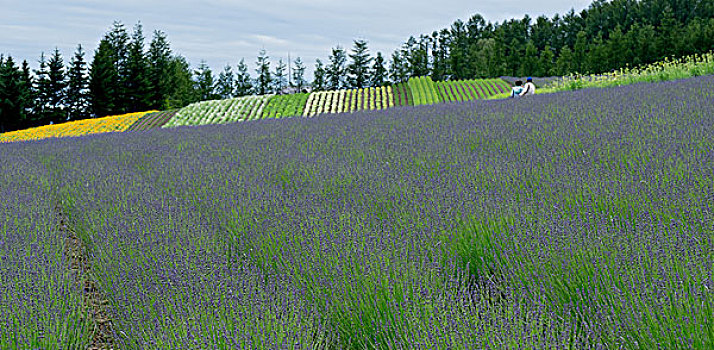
[
  {"x": 530, "y": 88},
  {"x": 517, "y": 89}
]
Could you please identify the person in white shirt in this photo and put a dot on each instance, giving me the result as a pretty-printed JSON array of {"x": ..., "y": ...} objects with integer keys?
[{"x": 529, "y": 88}]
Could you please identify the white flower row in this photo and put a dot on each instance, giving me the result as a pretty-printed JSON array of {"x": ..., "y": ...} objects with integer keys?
[{"x": 220, "y": 111}]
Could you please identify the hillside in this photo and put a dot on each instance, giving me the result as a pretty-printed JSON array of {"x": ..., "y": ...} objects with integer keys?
[
  {"x": 574, "y": 220},
  {"x": 418, "y": 91}
]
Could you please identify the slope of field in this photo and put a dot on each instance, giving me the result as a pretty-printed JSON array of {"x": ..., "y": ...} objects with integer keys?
[
  {"x": 467, "y": 90},
  {"x": 220, "y": 111},
  {"x": 561, "y": 221},
  {"x": 152, "y": 120},
  {"x": 424, "y": 91},
  {"x": 403, "y": 95},
  {"x": 285, "y": 106},
  {"x": 41, "y": 304},
  {"x": 352, "y": 100},
  {"x": 116, "y": 123}
]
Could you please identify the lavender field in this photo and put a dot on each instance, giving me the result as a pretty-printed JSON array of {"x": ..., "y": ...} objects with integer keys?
[{"x": 571, "y": 220}]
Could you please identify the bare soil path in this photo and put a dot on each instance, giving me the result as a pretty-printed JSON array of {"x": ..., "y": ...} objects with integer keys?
[{"x": 76, "y": 252}]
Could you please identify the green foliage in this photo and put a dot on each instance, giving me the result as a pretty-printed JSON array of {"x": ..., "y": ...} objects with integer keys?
[
  {"x": 77, "y": 87},
  {"x": 424, "y": 91},
  {"x": 15, "y": 95},
  {"x": 668, "y": 69},
  {"x": 358, "y": 68},
  {"x": 280, "y": 106}
]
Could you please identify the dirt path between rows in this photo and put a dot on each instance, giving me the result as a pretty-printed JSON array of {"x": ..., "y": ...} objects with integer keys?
[{"x": 102, "y": 335}]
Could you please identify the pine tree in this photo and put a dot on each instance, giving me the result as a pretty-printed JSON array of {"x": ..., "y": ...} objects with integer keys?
[
  {"x": 398, "y": 69},
  {"x": 77, "y": 87},
  {"x": 564, "y": 63},
  {"x": 57, "y": 88},
  {"x": 358, "y": 69},
  {"x": 264, "y": 80},
  {"x": 180, "y": 79},
  {"x": 204, "y": 82},
  {"x": 335, "y": 73},
  {"x": 42, "y": 100},
  {"x": 319, "y": 82},
  {"x": 299, "y": 75},
  {"x": 224, "y": 86},
  {"x": 118, "y": 40},
  {"x": 280, "y": 79},
  {"x": 243, "y": 82},
  {"x": 159, "y": 58},
  {"x": 136, "y": 78},
  {"x": 580, "y": 53},
  {"x": 27, "y": 95},
  {"x": 378, "y": 71},
  {"x": 529, "y": 65},
  {"x": 103, "y": 78},
  {"x": 13, "y": 103},
  {"x": 546, "y": 62}
]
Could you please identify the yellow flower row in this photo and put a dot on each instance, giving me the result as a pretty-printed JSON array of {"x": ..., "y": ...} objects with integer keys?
[{"x": 76, "y": 128}]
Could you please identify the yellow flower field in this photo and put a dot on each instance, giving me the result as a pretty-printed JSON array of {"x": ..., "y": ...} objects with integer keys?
[{"x": 76, "y": 128}]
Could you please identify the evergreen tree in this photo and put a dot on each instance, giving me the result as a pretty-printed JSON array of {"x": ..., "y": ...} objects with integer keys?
[
  {"x": 320, "y": 81},
  {"x": 280, "y": 79},
  {"x": 580, "y": 52},
  {"x": 358, "y": 69},
  {"x": 335, "y": 72},
  {"x": 398, "y": 69},
  {"x": 27, "y": 95},
  {"x": 204, "y": 82},
  {"x": 417, "y": 56},
  {"x": 13, "y": 96},
  {"x": 299, "y": 75},
  {"x": 77, "y": 87},
  {"x": 42, "y": 101},
  {"x": 118, "y": 39},
  {"x": 485, "y": 59},
  {"x": 180, "y": 79},
  {"x": 264, "y": 80},
  {"x": 159, "y": 58},
  {"x": 57, "y": 89},
  {"x": 224, "y": 86},
  {"x": 546, "y": 62},
  {"x": 136, "y": 79},
  {"x": 564, "y": 64},
  {"x": 103, "y": 78},
  {"x": 529, "y": 64},
  {"x": 243, "y": 82},
  {"x": 378, "y": 71}
]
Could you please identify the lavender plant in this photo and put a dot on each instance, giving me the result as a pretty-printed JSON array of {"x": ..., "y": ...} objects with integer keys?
[
  {"x": 569, "y": 220},
  {"x": 41, "y": 306}
]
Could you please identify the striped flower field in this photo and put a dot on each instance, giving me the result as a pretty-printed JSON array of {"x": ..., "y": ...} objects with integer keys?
[{"x": 573, "y": 220}]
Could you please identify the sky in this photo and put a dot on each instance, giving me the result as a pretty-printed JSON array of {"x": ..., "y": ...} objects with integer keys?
[{"x": 222, "y": 32}]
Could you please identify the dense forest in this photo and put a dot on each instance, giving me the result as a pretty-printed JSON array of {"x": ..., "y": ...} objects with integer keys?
[{"x": 127, "y": 76}]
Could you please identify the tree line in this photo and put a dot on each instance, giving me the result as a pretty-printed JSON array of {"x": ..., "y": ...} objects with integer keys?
[
  {"x": 608, "y": 35},
  {"x": 126, "y": 76}
]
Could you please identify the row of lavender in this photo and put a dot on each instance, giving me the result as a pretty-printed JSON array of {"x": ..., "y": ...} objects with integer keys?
[
  {"x": 578, "y": 219},
  {"x": 41, "y": 306}
]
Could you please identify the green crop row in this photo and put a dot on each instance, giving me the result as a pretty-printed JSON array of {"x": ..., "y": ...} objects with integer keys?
[
  {"x": 424, "y": 91},
  {"x": 285, "y": 106},
  {"x": 220, "y": 111},
  {"x": 403, "y": 95},
  {"x": 467, "y": 90}
]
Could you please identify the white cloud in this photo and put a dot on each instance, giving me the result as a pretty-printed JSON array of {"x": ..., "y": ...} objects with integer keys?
[{"x": 224, "y": 31}]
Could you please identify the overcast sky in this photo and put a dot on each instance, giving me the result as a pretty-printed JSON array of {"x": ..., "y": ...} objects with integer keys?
[{"x": 222, "y": 31}]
